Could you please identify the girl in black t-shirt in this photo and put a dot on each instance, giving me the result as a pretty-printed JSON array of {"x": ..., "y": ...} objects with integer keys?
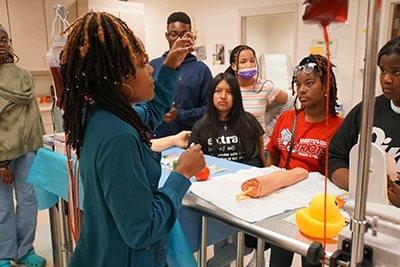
[{"x": 226, "y": 130}]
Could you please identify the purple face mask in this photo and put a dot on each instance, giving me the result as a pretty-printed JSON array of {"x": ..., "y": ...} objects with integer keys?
[{"x": 247, "y": 74}]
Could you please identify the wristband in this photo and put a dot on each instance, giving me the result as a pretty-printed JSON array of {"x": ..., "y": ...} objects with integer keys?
[{"x": 4, "y": 165}]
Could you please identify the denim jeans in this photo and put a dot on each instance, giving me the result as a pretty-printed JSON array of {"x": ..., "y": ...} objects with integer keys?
[
  {"x": 18, "y": 226},
  {"x": 281, "y": 257}
]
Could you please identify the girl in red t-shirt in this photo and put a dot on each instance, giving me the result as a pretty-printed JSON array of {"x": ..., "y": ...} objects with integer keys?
[
  {"x": 311, "y": 133},
  {"x": 301, "y": 136}
]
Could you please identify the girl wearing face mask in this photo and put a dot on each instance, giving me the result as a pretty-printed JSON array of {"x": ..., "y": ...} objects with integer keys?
[{"x": 257, "y": 94}]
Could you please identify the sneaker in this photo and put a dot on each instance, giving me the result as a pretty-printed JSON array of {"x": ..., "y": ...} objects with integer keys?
[
  {"x": 33, "y": 260},
  {"x": 253, "y": 261}
]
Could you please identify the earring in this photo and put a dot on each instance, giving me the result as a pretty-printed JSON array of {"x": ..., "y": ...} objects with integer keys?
[{"x": 132, "y": 92}]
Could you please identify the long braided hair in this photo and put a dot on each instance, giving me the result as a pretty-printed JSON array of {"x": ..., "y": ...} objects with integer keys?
[
  {"x": 321, "y": 69},
  {"x": 234, "y": 58},
  {"x": 100, "y": 50}
]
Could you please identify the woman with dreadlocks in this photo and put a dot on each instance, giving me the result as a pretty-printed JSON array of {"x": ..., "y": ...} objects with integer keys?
[
  {"x": 105, "y": 70},
  {"x": 21, "y": 134},
  {"x": 301, "y": 136}
]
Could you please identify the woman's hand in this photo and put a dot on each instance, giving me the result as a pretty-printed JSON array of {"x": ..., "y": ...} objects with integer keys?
[
  {"x": 179, "y": 50},
  {"x": 181, "y": 139},
  {"x": 7, "y": 175},
  {"x": 191, "y": 161},
  {"x": 393, "y": 192}
]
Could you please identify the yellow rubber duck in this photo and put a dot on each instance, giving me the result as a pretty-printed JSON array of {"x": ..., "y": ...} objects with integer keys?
[{"x": 311, "y": 220}]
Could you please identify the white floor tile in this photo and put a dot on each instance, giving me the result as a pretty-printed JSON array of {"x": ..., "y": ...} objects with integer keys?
[{"x": 42, "y": 242}]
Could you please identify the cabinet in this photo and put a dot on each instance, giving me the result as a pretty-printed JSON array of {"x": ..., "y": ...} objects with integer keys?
[
  {"x": 45, "y": 112},
  {"x": 31, "y": 24},
  {"x": 130, "y": 12},
  {"x": 27, "y": 31}
]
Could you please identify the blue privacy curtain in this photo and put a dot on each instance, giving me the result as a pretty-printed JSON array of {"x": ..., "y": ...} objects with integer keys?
[{"x": 179, "y": 252}]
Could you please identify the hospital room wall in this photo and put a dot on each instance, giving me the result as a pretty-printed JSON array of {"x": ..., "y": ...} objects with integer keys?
[{"x": 218, "y": 22}]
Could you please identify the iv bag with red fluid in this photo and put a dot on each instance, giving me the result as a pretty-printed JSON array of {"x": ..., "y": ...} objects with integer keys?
[
  {"x": 325, "y": 12},
  {"x": 53, "y": 60},
  {"x": 53, "y": 55}
]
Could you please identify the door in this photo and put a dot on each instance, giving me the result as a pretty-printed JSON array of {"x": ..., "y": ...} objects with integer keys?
[
  {"x": 272, "y": 32},
  {"x": 395, "y": 21}
]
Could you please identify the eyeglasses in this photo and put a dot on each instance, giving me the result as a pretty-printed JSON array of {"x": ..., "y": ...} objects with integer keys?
[
  {"x": 5, "y": 41},
  {"x": 175, "y": 35},
  {"x": 307, "y": 68}
]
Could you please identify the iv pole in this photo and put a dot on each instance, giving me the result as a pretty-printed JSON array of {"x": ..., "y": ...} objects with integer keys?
[
  {"x": 63, "y": 16},
  {"x": 67, "y": 244},
  {"x": 359, "y": 224},
  {"x": 8, "y": 18}
]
